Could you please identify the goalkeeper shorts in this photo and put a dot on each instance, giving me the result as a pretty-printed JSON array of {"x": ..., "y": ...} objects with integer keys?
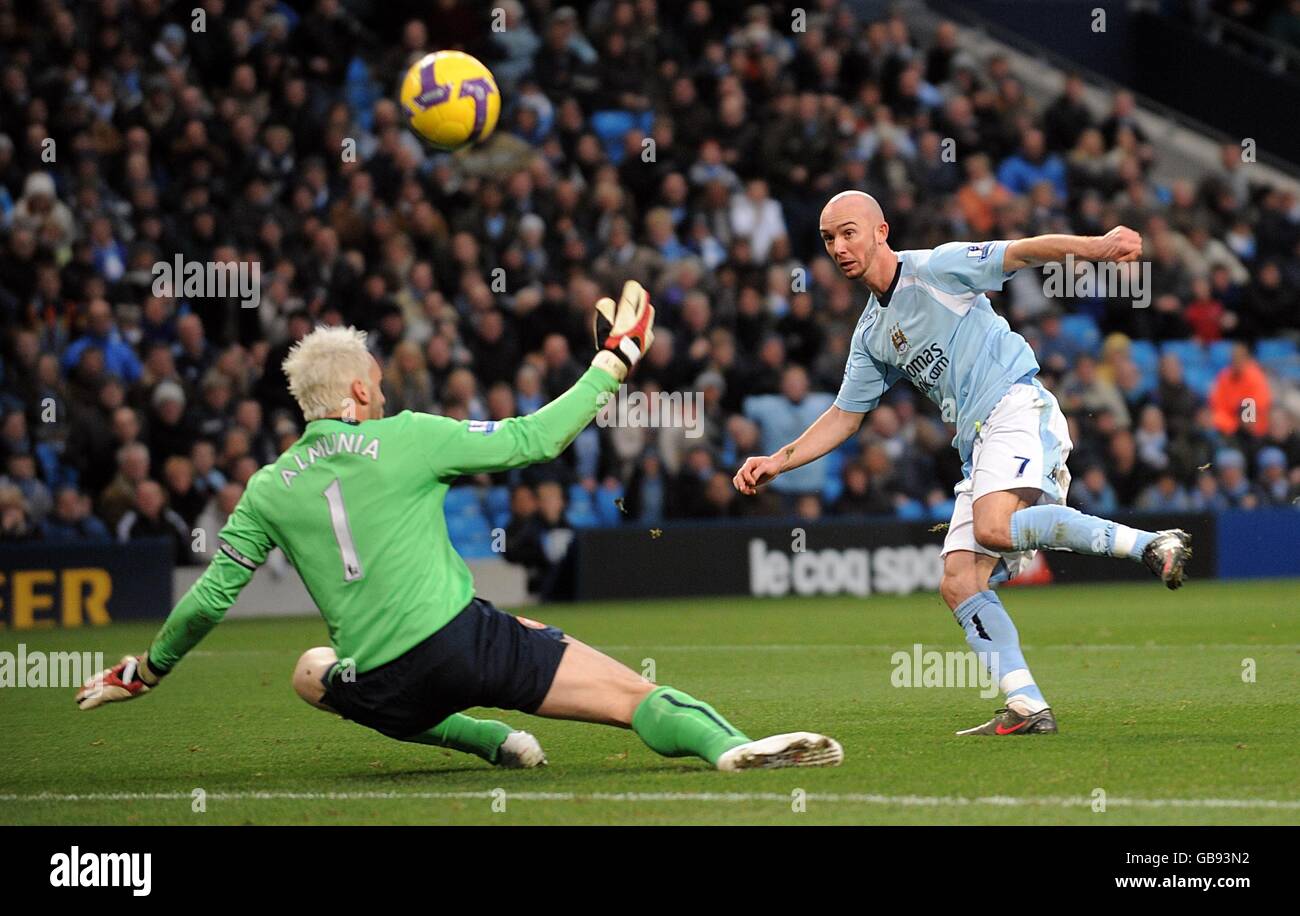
[{"x": 481, "y": 657}]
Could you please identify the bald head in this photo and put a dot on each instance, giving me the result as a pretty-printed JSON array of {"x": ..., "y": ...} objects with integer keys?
[
  {"x": 858, "y": 204},
  {"x": 854, "y": 230}
]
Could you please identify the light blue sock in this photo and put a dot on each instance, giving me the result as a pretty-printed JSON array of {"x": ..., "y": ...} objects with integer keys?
[
  {"x": 993, "y": 637},
  {"x": 1061, "y": 527}
]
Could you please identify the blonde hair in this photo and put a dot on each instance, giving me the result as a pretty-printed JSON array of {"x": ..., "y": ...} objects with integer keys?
[{"x": 322, "y": 366}]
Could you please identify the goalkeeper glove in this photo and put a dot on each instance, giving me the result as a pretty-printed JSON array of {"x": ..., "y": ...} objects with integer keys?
[
  {"x": 128, "y": 679},
  {"x": 624, "y": 330}
]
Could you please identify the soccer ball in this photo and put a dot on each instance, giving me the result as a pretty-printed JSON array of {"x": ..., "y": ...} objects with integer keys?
[{"x": 450, "y": 99}]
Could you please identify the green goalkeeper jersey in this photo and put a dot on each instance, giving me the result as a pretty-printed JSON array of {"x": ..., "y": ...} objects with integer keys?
[{"x": 358, "y": 509}]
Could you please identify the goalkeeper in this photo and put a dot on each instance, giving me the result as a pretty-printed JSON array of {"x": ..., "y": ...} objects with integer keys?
[{"x": 357, "y": 506}]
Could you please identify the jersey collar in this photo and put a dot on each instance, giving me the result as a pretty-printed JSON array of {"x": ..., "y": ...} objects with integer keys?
[{"x": 893, "y": 284}]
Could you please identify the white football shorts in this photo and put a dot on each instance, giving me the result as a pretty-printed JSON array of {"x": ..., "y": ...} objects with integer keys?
[{"x": 1025, "y": 442}]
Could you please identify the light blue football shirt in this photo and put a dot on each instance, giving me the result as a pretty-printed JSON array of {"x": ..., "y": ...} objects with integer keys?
[{"x": 936, "y": 329}]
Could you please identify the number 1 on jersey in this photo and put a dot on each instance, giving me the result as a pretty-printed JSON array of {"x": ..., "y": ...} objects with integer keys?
[{"x": 343, "y": 532}]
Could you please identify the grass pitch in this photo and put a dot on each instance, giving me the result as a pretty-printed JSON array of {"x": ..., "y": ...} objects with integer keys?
[{"x": 1148, "y": 687}]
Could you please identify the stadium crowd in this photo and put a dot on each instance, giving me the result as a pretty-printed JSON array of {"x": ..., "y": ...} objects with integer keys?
[{"x": 689, "y": 145}]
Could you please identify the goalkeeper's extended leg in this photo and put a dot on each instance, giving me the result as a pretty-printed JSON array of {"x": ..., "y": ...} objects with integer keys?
[
  {"x": 592, "y": 687},
  {"x": 494, "y": 741}
]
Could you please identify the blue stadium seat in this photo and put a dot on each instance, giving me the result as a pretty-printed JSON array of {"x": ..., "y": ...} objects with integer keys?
[
  {"x": 1145, "y": 356},
  {"x": 1219, "y": 354},
  {"x": 361, "y": 91},
  {"x": 54, "y": 474},
  {"x": 497, "y": 503},
  {"x": 911, "y": 511},
  {"x": 612, "y": 125},
  {"x": 1189, "y": 353},
  {"x": 607, "y": 509},
  {"x": 1280, "y": 356},
  {"x": 584, "y": 517},
  {"x": 1199, "y": 378},
  {"x": 1275, "y": 349},
  {"x": 471, "y": 537},
  {"x": 579, "y": 497},
  {"x": 463, "y": 501},
  {"x": 1290, "y": 371},
  {"x": 834, "y": 463},
  {"x": 942, "y": 512},
  {"x": 581, "y": 510},
  {"x": 1082, "y": 328}
]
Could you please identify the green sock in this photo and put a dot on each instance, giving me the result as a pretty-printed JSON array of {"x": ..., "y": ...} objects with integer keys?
[
  {"x": 465, "y": 733},
  {"x": 676, "y": 724}
]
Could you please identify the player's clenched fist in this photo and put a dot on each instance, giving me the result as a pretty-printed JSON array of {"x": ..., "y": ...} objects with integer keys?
[
  {"x": 755, "y": 472},
  {"x": 126, "y": 680},
  {"x": 1120, "y": 244}
]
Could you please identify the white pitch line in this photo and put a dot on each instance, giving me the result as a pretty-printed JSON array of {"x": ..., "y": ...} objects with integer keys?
[
  {"x": 878, "y": 647},
  {"x": 906, "y": 801},
  {"x": 855, "y": 647}
]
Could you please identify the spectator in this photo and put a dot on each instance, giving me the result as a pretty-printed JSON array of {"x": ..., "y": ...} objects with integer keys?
[
  {"x": 1272, "y": 486},
  {"x": 1031, "y": 165},
  {"x": 214, "y": 516},
  {"x": 170, "y": 430},
  {"x": 757, "y": 217},
  {"x": 1165, "y": 495},
  {"x": 981, "y": 196},
  {"x": 21, "y": 474},
  {"x": 72, "y": 522},
  {"x": 120, "y": 495},
  {"x": 16, "y": 522},
  {"x": 476, "y": 272},
  {"x": 782, "y": 418},
  {"x": 1234, "y": 485},
  {"x": 102, "y": 334},
  {"x": 1094, "y": 494},
  {"x": 1241, "y": 397},
  {"x": 183, "y": 496},
  {"x": 861, "y": 494},
  {"x": 150, "y": 518},
  {"x": 1206, "y": 497}
]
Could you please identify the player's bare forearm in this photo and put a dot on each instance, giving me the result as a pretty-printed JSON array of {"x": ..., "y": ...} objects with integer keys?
[
  {"x": 1119, "y": 244},
  {"x": 828, "y": 432}
]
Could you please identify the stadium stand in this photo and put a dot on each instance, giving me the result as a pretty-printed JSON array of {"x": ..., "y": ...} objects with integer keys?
[{"x": 472, "y": 272}]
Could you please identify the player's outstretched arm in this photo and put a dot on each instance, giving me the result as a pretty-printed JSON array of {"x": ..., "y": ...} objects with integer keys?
[
  {"x": 827, "y": 433},
  {"x": 624, "y": 331},
  {"x": 244, "y": 546},
  {"x": 1120, "y": 244}
]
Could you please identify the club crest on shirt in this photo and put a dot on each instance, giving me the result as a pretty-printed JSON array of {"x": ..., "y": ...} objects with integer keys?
[{"x": 899, "y": 339}]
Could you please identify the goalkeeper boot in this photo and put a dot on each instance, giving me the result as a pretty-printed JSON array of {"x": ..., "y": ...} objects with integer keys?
[
  {"x": 1167, "y": 554},
  {"x": 520, "y": 751},
  {"x": 797, "y": 749},
  {"x": 1009, "y": 722}
]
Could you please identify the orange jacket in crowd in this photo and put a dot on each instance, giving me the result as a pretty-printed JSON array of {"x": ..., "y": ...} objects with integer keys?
[{"x": 1228, "y": 397}]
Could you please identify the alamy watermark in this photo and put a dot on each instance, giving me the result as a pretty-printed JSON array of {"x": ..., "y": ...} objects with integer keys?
[
  {"x": 179, "y": 278},
  {"x": 1106, "y": 280},
  {"x": 639, "y": 409},
  {"x": 919, "y": 668},
  {"x": 48, "y": 669},
  {"x": 133, "y": 870}
]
